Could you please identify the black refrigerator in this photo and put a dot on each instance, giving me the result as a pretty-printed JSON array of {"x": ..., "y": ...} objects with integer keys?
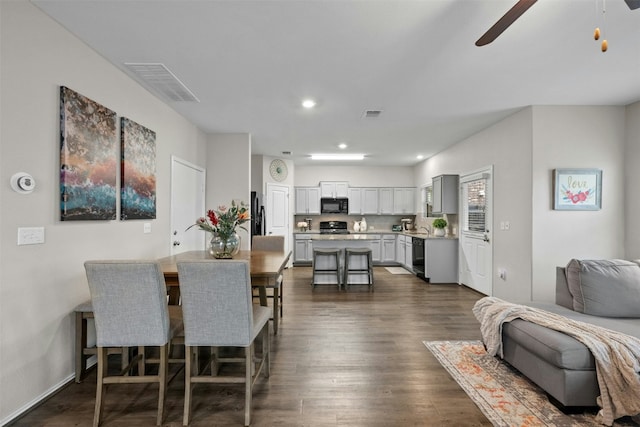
[{"x": 257, "y": 215}]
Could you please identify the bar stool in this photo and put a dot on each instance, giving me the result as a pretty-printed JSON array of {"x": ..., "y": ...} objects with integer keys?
[
  {"x": 84, "y": 312},
  {"x": 365, "y": 266},
  {"x": 329, "y": 264}
]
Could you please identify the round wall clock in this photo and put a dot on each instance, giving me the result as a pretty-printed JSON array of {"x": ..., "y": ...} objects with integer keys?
[{"x": 278, "y": 170}]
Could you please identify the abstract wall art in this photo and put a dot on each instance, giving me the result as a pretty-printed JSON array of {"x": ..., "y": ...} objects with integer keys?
[
  {"x": 138, "y": 171},
  {"x": 88, "y": 158}
]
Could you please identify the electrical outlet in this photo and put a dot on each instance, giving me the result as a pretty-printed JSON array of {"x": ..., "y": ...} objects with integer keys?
[
  {"x": 30, "y": 235},
  {"x": 147, "y": 227}
]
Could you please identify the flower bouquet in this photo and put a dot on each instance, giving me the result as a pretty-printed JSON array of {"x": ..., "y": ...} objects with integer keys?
[{"x": 222, "y": 223}]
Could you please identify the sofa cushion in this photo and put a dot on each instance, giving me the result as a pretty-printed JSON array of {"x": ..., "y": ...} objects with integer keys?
[
  {"x": 608, "y": 288},
  {"x": 554, "y": 347}
]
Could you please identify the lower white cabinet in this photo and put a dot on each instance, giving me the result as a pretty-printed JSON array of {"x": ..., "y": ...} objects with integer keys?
[
  {"x": 404, "y": 251},
  {"x": 408, "y": 253},
  {"x": 388, "y": 248},
  {"x": 376, "y": 247},
  {"x": 441, "y": 260},
  {"x": 302, "y": 250}
]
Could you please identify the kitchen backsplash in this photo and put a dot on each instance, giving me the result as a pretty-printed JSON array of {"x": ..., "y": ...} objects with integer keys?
[
  {"x": 374, "y": 222},
  {"x": 452, "y": 223}
]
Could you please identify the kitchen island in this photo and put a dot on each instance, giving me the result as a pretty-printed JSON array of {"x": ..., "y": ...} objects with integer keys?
[{"x": 342, "y": 242}]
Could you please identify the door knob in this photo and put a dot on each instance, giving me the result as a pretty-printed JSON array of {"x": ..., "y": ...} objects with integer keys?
[{"x": 486, "y": 238}]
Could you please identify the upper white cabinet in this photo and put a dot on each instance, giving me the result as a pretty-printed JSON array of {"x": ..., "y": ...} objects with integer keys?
[
  {"x": 363, "y": 201},
  {"x": 404, "y": 201},
  {"x": 381, "y": 201},
  {"x": 355, "y": 201},
  {"x": 445, "y": 194},
  {"x": 334, "y": 189},
  {"x": 308, "y": 200},
  {"x": 385, "y": 201},
  {"x": 370, "y": 201}
]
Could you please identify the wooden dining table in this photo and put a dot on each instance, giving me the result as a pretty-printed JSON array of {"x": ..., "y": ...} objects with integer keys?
[{"x": 264, "y": 267}]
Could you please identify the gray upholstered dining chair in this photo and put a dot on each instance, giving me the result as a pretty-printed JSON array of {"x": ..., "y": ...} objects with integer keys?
[
  {"x": 272, "y": 243},
  {"x": 129, "y": 301},
  {"x": 218, "y": 312}
]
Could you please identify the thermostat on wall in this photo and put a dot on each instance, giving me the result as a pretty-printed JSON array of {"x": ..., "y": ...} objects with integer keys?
[{"x": 23, "y": 183}]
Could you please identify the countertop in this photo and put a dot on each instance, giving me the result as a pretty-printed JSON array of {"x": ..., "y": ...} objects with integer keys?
[
  {"x": 352, "y": 236},
  {"x": 315, "y": 235}
]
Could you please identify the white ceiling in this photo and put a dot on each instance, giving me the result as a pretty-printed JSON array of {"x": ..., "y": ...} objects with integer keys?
[{"x": 250, "y": 63}]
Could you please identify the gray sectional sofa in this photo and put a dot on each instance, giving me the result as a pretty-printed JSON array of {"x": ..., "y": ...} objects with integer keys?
[{"x": 601, "y": 292}]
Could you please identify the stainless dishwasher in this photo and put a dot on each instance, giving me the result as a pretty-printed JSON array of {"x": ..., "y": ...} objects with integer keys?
[{"x": 417, "y": 258}]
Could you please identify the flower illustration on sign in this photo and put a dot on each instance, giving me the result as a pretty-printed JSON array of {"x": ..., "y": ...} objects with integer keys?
[{"x": 579, "y": 197}]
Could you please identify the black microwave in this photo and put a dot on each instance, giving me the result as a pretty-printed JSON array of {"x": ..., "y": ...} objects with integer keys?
[{"x": 338, "y": 205}]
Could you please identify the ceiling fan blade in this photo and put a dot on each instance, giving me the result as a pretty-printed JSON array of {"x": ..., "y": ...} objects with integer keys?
[
  {"x": 633, "y": 4},
  {"x": 509, "y": 18}
]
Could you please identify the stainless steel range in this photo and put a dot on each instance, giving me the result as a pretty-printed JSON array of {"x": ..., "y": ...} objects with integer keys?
[{"x": 333, "y": 227}]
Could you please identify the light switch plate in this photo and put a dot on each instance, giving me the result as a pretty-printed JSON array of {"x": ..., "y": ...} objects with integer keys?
[
  {"x": 147, "y": 227},
  {"x": 30, "y": 235}
]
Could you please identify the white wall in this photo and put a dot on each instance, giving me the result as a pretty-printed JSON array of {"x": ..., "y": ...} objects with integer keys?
[
  {"x": 525, "y": 148},
  {"x": 229, "y": 174},
  {"x": 507, "y": 146},
  {"x": 632, "y": 182},
  {"x": 288, "y": 181},
  {"x": 356, "y": 176},
  {"x": 576, "y": 137},
  {"x": 41, "y": 284}
]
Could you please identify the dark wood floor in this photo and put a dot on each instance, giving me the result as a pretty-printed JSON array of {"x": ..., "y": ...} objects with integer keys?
[{"x": 340, "y": 359}]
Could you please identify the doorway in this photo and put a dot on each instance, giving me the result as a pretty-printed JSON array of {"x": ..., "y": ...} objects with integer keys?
[
  {"x": 187, "y": 205},
  {"x": 476, "y": 219},
  {"x": 277, "y": 212}
]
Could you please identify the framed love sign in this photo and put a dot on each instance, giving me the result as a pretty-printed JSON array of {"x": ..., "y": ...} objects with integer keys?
[{"x": 578, "y": 189}]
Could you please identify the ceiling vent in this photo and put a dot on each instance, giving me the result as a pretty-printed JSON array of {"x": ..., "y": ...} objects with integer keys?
[
  {"x": 372, "y": 114},
  {"x": 161, "y": 80}
]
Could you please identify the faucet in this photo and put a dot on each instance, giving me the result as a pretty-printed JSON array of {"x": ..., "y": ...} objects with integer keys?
[{"x": 426, "y": 229}]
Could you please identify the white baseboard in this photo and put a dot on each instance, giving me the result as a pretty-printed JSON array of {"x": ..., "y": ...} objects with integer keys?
[{"x": 28, "y": 406}]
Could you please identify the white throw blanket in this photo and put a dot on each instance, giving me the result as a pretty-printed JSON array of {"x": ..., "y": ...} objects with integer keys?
[{"x": 617, "y": 355}]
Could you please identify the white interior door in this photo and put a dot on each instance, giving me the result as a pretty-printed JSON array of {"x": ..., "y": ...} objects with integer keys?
[
  {"x": 187, "y": 205},
  {"x": 476, "y": 248},
  {"x": 277, "y": 211}
]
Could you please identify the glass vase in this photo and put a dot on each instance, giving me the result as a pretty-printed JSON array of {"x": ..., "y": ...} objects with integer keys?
[{"x": 222, "y": 248}]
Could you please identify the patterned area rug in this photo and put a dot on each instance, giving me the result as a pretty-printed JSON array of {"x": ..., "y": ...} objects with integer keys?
[{"x": 505, "y": 396}]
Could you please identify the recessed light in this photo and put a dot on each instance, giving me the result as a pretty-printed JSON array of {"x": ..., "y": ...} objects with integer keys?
[
  {"x": 419, "y": 157},
  {"x": 308, "y": 103},
  {"x": 337, "y": 156},
  {"x": 342, "y": 146}
]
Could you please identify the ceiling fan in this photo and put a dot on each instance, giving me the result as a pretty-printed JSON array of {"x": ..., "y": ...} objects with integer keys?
[{"x": 515, "y": 12}]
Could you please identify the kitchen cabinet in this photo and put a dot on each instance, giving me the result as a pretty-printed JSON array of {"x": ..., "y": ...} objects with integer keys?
[
  {"x": 334, "y": 189},
  {"x": 363, "y": 201},
  {"x": 408, "y": 253},
  {"x": 370, "y": 201},
  {"x": 388, "y": 248},
  {"x": 385, "y": 201},
  {"x": 308, "y": 200},
  {"x": 404, "y": 201},
  {"x": 355, "y": 201},
  {"x": 404, "y": 251},
  {"x": 302, "y": 249},
  {"x": 441, "y": 260},
  {"x": 401, "y": 243},
  {"x": 445, "y": 194},
  {"x": 376, "y": 247}
]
